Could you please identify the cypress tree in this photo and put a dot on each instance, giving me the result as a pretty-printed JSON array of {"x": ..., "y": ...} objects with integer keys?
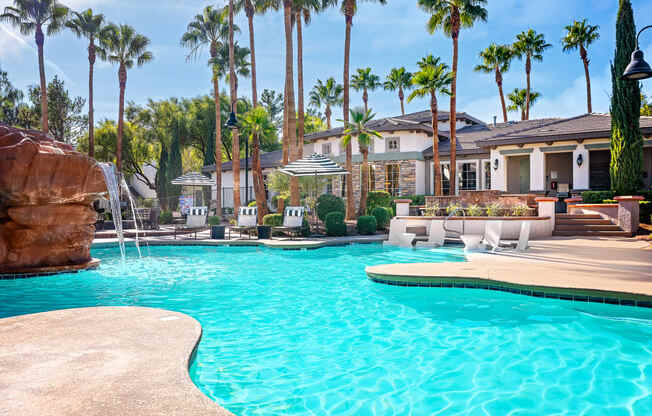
[
  {"x": 626, "y": 139},
  {"x": 175, "y": 167},
  {"x": 162, "y": 179}
]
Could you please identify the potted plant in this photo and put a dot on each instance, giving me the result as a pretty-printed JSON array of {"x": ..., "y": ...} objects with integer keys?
[{"x": 217, "y": 230}]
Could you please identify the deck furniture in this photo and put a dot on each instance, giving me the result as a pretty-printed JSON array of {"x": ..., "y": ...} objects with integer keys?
[
  {"x": 247, "y": 221},
  {"x": 292, "y": 221},
  {"x": 195, "y": 222},
  {"x": 436, "y": 235},
  {"x": 398, "y": 235}
]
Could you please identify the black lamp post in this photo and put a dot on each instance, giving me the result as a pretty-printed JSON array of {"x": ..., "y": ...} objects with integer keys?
[
  {"x": 638, "y": 69},
  {"x": 232, "y": 124}
]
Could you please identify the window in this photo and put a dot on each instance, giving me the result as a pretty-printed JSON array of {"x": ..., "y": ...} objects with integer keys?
[
  {"x": 343, "y": 187},
  {"x": 372, "y": 177},
  {"x": 372, "y": 141},
  {"x": 468, "y": 176},
  {"x": 393, "y": 144},
  {"x": 392, "y": 179},
  {"x": 445, "y": 178},
  {"x": 486, "y": 167},
  {"x": 329, "y": 186},
  {"x": 326, "y": 149}
]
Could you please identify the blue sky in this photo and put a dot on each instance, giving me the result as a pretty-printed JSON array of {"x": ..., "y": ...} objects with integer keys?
[{"x": 383, "y": 37}]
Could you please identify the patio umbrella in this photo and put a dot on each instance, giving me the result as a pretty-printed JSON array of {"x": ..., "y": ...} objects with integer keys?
[{"x": 193, "y": 179}]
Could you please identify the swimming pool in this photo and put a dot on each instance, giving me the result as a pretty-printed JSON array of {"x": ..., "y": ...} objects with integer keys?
[{"x": 306, "y": 333}]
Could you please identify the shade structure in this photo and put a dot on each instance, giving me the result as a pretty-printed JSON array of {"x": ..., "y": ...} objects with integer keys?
[
  {"x": 193, "y": 179},
  {"x": 313, "y": 165}
]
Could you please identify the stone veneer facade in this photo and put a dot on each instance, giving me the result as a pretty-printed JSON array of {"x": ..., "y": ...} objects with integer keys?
[{"x": 407, "y": 178}]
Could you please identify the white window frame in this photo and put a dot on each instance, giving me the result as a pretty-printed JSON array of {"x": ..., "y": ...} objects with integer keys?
[
  {"x": 388, "y": 140},
  {"x": 326, "y": 146},
  {"x": 483, "y": 163},
  {"x": 459, "y": 174}
]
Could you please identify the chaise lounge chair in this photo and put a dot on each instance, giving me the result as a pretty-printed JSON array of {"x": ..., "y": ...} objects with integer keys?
[
  {"x": 247, "y": 221},
  {"x": 292, "y": 221},
  {"x": 195, "y": 221},
  {"x": 493, "y": 231},
  {"x": 398, "y": 235},
  {"x": 436, "y": 235}
]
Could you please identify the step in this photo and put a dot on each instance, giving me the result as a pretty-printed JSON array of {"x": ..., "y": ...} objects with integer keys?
[
  {"x": 586, "y": 227},
  {"x": 591, "y": 233},
  {"x": 580, "y": 221},
  {"x": 578, "y": 216}
]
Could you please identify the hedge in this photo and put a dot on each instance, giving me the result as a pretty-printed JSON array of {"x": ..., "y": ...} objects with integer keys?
[
  {"x": 335, "y": 225},
  {"x": 328, "y": 203},
  {"x": 596, "y": 197},
  {"x": 273, "y": 220},
  {"x": 367, "y": 225},
  {"x": 382, "y": 215},
  {"x": 165, "y": 217},
  {"x": 378, "y": 199}
]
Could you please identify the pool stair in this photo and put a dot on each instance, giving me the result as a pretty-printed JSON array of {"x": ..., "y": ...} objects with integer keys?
[{"x": 589, "y": 225}]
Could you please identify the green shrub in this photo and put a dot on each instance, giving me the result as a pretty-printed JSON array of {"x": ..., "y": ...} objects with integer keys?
[
  {"x": 474, "y": 210},
  {"x": 494, "y": 209},
  {"x": 305, "y": 228},
  {"x": 273, "y": 220},
  {"x": 645, "y": 212},
  {"x": 452, "y": 208},
  {"x": 367, "y": 225},
  {"x": 417, "y": 199},
  {"x": 596, "y": 197},
  {"x": 382, "y": 216},
  {"x": 378, "y": 199},
  {"x": 252, "y": 203},
  {"x": 328, "y": 203},
  {"x": 432, "y": 210},
  {"x": 520, "y": 210},
  {"x": 215, "y": 220},
  {"x": 335, "y": 225},
  {"x": 165, "y": 217}
]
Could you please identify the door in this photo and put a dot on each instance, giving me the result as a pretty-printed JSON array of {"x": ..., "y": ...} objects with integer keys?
[{"x": 524, "y": 175}]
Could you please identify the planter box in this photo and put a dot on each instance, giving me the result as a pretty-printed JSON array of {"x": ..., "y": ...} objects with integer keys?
[{"x": 217, "y": 232}]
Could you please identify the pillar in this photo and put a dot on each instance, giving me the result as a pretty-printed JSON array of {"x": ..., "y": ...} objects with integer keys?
[
  {"x": 402, "y": 207},
  {"x": 547, "y": 209},
  {"x": 498, "y": 171},
  {"x": 628, "y": 213},
  {"x": 537, "y": 170},
  {"x": 581, "y": 172}
]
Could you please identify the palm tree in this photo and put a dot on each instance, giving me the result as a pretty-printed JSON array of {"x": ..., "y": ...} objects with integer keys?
[
  {"x": 32, "y": 16},
  {"x": 399, "y": 79},
  {"x": 349, "y": 8},
  {"x": 240, "y": 58},
  {"x": 530, "y": 45},
  {"x": 328, "y": 94},
  {"x": 121, "y": 45},
  {"x": 433, "y": 78},
  {"x": 256, "y": 123},
  {"x": 451, "y": 16},
  {"x": 90, "y": 26},
  {"x": 290, "y": 123},
  {"x": 518, "y": 100},
  {"x": 235, "y": 138},
  {"x": 358, "y": 128},
  {"x": 210, "y": 29},
  {"x": 580, "y": 35},
  {"x": 365, "y": 81},
  {"x": 496, "y": 59}
]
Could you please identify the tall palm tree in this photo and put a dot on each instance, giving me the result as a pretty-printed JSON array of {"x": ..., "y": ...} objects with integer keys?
[
  {"x": 256, "y": 123},
  {"x": 497, "y": 59},
  {"x": 327, "y": 95},
  {"x": 290, "y": 126},
  {"x": 210, "y": 29},
  {"x": 32, "y": 16},
  {"x": 349, "y": 8},
  {"x": 531, "y": 45},
  {"x": 518, "y": 101},
  {"x": 358, "y": 128},
  {"x": 240, "y": 58},
  {"x": 451, "y": 16},
  {"x": 88, "y": 25},
  {"x": 399, "y": 79},
  {"x": 365, "y": 81},
  {"x": 235, "y": 138},
  {"x": 433, "y": 78},
  {"x": 580, "y": 35}
]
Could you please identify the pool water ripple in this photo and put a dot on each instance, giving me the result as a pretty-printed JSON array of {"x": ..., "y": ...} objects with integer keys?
[{"x": 306, "y": 333}]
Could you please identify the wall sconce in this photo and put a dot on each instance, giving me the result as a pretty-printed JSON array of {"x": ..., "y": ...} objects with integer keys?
[
  {"x": 580, "y": 160},
  {"x": 496, "y": 164}
]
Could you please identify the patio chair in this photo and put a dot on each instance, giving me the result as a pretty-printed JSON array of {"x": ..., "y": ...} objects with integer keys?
[
  {"x": 195, "y": 221},
  {"x": 492, "y": 232},
  {"x": 247, "y": 221},
  {"x": 398, "y": 235},
  {"x": 292, "y": 221},
  {"x": 436, "y": 235}
]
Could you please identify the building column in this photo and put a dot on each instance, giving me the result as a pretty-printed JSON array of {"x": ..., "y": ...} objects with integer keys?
[
  {"x": 628, "y": 213},
  {"x": 581, "y": 172},
  {"x": 498, "y": 171},
  {"x": 537, "y": 170},
  {"x": 546, "y": 208}
]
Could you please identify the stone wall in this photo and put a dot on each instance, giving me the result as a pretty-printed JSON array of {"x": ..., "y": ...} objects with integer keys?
[
  {"x": 482, "y": 198},
  {"x": 407, "y": 178}
]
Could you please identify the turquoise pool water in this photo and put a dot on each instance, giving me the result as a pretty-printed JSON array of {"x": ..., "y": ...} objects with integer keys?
[{"x": 306, "y": 333}]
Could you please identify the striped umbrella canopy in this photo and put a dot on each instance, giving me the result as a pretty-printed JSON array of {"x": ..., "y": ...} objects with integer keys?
[
  {"x": 313, "y": 165},
  {"x": 193, "y": 179}
]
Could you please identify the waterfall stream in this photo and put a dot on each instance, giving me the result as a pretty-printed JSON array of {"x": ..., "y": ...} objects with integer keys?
[
  {"x": 125, "y": 187},
  {"x": 114, "y": 198}
]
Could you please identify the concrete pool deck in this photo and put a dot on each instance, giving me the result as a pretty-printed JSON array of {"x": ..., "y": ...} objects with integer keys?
[
  {"x": 100, "y": 361},
  {"x": 606, "y": 267}
]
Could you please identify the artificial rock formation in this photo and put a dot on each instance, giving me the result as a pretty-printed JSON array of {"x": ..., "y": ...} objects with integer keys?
[{"x": 46, "y": 192}]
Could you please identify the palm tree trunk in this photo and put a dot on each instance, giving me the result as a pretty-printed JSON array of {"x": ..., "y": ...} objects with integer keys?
[
  {"x": 40, "y": 40},
  {"x": 349, "y": 9},
  {"x": 528, "y": 68},
  {"x": 585, "y": 60},
  {"x": 291, "y": 111},
  {"x": 499, "y": 82},
  {"x": 235, "y": 140},
  {"x": 328, "y": 114},
  {"x": 259, "y": 185},
  {"x": 91, "y": 121},
  {"x": 122, "y": 80},
  {"x": 300, "y": 104},
  {"x": 401, "y": 97},
  {"x": 435, "y": 144},
  {"x": 364, "y": 182},
  {"x": 218, "y": 142},
  {"x": 285, "y": 143},
  {"x": 453, "y": 120},
  {"x": 365, "y": 99},
  {"x": 254, "y": 92}
]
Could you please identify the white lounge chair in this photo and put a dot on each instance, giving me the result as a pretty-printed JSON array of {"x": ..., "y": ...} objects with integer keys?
[
  {"x": 292, "y": 221},
  {"x": 398, "y": 236},
  {"x": 436, "y": 235},
  {"x": 247, "y": 221},
  {"x": 195, "y": 221},
  {"x": 492, "y": 232},
  {"x": 524, "y": 236}
]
